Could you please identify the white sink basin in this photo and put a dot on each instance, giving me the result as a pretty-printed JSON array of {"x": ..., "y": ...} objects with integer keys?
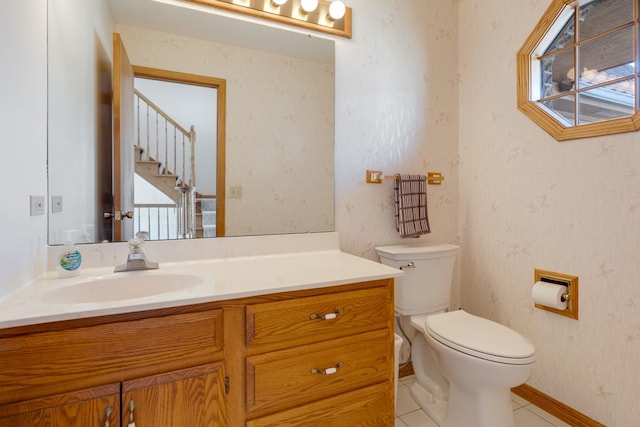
[{"x": 122, "y": 286}]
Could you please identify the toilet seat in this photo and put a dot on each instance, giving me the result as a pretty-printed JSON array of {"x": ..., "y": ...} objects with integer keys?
[{"x": 480, "y": 338}]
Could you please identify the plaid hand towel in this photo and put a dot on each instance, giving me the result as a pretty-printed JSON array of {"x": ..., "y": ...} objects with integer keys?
[{"x": 410, "y": 193}]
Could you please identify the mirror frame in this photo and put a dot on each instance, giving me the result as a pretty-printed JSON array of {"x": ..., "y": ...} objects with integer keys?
[{"x": 539, "y": 115}]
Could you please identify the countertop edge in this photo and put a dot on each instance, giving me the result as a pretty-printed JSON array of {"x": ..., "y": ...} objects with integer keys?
[{"x": 272, "y": 274}]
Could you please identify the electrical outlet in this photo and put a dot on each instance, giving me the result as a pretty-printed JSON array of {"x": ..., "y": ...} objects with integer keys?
[
  {"x": 235, "y": 192},
  {"x": 37, "y": 205},
  {"x": 56, "y": 204}
]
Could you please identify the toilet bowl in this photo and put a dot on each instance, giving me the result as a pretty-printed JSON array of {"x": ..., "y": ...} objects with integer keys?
[
  {"x": 465, "y": 366},
  {"x": 482, "y": 360}
]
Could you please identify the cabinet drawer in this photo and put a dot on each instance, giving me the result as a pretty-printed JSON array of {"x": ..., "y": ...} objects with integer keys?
[
  {"x": 369, "y": 406},
  {"x": 53, "y": 362},
  {"x": 282, "y": 324},
  {"x": 287, "y": 378}
]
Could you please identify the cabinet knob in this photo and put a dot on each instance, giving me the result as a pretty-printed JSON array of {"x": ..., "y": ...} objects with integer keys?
[
  {"x": 107, "y": 416},
  {"x": 327, "y": 371},
  {"x": 327, "y": 316}
]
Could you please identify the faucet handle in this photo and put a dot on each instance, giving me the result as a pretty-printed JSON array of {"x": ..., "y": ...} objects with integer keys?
[
  {"x": 142, "y": 235},
  {"x": 135, "y": 244}
]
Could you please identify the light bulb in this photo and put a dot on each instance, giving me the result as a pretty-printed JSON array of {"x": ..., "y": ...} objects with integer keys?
[
  {"x": 309, "y": 5},
  {"x": 337, "y": 9},
  {"x": 278, "y": 2}
]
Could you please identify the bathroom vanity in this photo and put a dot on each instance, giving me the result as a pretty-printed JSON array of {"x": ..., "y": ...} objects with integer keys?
[{"x": 307, "y": 344}]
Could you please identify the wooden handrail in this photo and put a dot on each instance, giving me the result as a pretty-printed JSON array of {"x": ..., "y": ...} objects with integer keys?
[{"x": 162, "y": 113}]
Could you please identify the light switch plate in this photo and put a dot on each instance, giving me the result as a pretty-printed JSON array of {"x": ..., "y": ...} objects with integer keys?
[
  {"x": 37, "y": 205},
  {"x": 56, "y": 204},
  {"x": 235, "y": 192}
]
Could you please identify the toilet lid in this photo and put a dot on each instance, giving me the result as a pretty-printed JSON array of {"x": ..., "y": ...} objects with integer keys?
[{"x": 480, "y": 337}]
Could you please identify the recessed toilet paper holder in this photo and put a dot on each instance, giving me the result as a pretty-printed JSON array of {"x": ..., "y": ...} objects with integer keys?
[{"x": 570, "y": 296}]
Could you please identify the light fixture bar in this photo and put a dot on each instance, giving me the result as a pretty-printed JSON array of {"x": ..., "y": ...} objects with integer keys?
[
  {"x": 337, "y": 10},
  {"x": 290, "y": 12},
  {"x": 308, "y": 6}
]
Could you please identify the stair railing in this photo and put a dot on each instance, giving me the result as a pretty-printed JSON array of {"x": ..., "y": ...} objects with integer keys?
[
  {"x": 160, "y": 220},
  {"x": 165, "y": 140}
]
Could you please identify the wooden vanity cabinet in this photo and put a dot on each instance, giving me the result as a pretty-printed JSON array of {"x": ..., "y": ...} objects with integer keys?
[
  {"x": 310, "y": 357},
  {"x": 322, "y": 360},
  {"x": 68, "y": 374},
  {"x": 98, "y": 406},
  {"x": 185, "y": 398}
]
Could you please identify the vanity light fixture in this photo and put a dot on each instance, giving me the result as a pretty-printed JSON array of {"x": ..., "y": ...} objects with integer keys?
[
  {"x": 308, "y": 6},
  {"x": 326, "y": 16},
  {"x": 337, "y": 10}
]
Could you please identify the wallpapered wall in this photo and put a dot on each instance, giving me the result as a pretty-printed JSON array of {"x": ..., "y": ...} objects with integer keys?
[
  {"x": 527, "y": 201},
  {"x": 430, "y": 85},
  {"x": 396, "y": 111}
]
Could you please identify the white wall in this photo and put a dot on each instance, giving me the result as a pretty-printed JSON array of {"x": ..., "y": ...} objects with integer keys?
[
  {"x": 78, "y": 30},
  {"x": 23, "y": 120},
  {"x": 530, "y": 202}
]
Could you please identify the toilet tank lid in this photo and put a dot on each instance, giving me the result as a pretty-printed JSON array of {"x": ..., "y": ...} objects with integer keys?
[
  {"x": 480, "y": 337},
  {"x": 417, "y": 251}
]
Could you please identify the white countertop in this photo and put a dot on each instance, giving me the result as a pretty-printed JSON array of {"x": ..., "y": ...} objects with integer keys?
[{"x": 222, "y": 279}]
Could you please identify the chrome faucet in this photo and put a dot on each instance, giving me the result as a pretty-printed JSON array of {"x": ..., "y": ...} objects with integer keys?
[{"x": 137, "y": 260}]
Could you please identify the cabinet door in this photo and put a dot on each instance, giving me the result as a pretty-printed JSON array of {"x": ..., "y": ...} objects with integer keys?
[
  {"x": 95, "y": 407},
  {"x": 185, "y": 398}
]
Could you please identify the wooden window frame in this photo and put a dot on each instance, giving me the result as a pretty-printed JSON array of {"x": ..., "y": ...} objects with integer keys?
[{"x": 543, "y": 118}]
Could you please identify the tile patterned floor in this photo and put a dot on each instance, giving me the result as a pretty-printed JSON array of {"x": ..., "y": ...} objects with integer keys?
[{"x": 409, "y": 414}]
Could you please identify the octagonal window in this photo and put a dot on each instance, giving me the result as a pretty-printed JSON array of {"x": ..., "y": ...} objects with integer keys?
[{"x": 578, "y": 70}]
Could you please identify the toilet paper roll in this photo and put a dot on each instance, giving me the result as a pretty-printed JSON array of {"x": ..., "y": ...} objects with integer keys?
[{"x": 550, "y": 295}]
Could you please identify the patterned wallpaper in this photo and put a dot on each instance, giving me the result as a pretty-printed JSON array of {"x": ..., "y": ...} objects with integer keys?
[
  {"x": 527, "y": 201},
  {"x": 396, "y": 111},
  {"x": 430, "y": 85}
]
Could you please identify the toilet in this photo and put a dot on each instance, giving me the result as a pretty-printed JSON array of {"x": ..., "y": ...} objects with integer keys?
[{"x": 465, "y": 366}]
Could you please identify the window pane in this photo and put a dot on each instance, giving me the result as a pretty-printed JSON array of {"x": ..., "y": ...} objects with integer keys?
[
  {"x": 563, "y": 109},
  {"x": 565, "y": 36},
  {"x": 606, "y": 58},
  {"x": 598, "y": 16},
  {"x": 607, "y": 102},
  {"x": 556, "y": 73}
]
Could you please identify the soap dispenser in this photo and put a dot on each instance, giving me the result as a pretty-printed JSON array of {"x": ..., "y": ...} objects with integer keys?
[{"x": 70, "y": 259}]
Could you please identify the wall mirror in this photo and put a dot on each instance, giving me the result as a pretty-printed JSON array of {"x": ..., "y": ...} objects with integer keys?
[
  {"x": 578, "y": 70},
  {"x": 278, "y": 125}
]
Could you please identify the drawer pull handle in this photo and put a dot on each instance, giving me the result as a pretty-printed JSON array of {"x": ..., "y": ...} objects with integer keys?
[
  {"x": 107, "y": 415},
  {"x": 327, "y": 371},
  {"x": 132, "y": 407},
  {"x": 327, "y": 316}
]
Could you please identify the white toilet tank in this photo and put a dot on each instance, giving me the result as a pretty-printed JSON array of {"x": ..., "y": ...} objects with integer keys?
[{"x": 426, "y": 285}]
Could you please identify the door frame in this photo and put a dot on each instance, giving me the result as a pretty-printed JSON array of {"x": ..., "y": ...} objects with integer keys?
[{"x": 221, "y": 86}]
